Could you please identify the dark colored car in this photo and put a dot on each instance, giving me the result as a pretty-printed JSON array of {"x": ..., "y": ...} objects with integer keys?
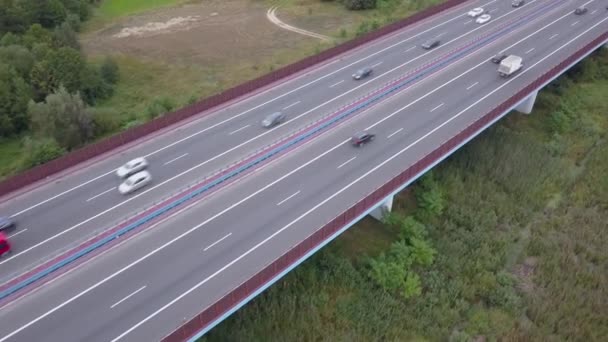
[
  {"x": 362, "y": 138},
  {"x": 518, "y": 3},
  {"x": 6, "y": 223},
  {"x": 580, "y": 10},
  {"x": 498, "y": 58},
  {"x": 362, "y": 73},
  {"x": 429, "y": 44}
]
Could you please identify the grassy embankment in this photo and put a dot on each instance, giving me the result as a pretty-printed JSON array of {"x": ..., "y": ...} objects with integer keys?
[{"x": 521, "y": 242}]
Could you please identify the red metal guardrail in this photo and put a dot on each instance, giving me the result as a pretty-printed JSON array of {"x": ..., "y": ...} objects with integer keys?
[
  {"x": 241, "y": 292},
  {"x": 85, "y": 153}
]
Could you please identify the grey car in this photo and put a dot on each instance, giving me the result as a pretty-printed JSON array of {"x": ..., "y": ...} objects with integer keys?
[
  {"x": 361, "y": 138},
  {"x": 273, "y": 119},
  {"x": 430, "y": 44},
  {"x": 517, "y": 3},
  {"x": 6, "y": 223},
  {"x": 362, "y": 73}
]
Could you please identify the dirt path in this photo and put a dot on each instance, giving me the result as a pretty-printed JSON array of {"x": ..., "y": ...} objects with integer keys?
[{"x": 271, "y": 15}]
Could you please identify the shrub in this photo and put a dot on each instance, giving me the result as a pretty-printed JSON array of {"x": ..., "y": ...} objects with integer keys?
[
  {"x": 40, "y": 151},
  {"x": 159, "y": 107},
  {"x": 359, "y": 4},
  {"x": 109, "y": 71}
]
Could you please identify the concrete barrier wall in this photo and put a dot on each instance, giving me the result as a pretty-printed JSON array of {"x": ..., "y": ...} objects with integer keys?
[
  {"x": 236, "y": 296},
  {"x": 76, "y": 157}
]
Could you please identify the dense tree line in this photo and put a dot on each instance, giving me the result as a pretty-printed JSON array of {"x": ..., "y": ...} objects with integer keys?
[{"x": 46, "y": 83}]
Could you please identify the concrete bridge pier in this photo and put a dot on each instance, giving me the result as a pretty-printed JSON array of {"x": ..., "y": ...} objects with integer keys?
[
  {"x": 526, "y": 105},
  {"x": 383, "y": 210}
]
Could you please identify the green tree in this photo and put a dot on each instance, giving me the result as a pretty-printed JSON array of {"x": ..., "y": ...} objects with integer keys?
[
  {"x": 94, "y": 87},
  {"x": 411, "y": 285},
  {"x": 10, "y": 39},
  {"x": 37, "y": 34},
  {"x": 64, "y": 35},
  {"x": 12, "y": 18},
  {"x": 14, "y": 96},
  {"x": 67, "y": 65},
  {"x": 63, "y": 117},
  {"x": 410, "y": 228},
  {"x": 19, "y": 57},
  {"x": 430, "y": 197},
  {"x": 42, "y": 80},
  {"x": 422, "y": 253}
]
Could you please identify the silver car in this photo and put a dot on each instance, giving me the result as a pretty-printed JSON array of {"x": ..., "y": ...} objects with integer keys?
[
  {"x": 132, "y": 167},
  {"x": 273, "y": 119},
  {"x": 137, "y": 181}
]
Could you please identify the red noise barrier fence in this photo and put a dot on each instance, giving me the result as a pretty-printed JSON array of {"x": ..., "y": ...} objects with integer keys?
[
  {"x": 106, "y": 145},
  {"x": 240, "y": 293}
]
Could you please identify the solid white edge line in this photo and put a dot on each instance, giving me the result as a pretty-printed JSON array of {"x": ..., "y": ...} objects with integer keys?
[
  {"x": 346, "y": 162},
  {"x": 288, "y": 198},
  {"x": 101, "y": 194},
  {"x": 175, "y": 159},
  {"x": 25, "y": 326},
  {"x": 127, "y": 297},
  {"x": 248, "y": 110}
]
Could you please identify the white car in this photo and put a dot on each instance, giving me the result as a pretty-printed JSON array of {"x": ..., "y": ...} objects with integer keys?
[
  {"x": 137, "y": 181},
  {"x": 132, "y": 167},
  {"x": 483, "y": 19},
  {"x": 475, "y": 12}
]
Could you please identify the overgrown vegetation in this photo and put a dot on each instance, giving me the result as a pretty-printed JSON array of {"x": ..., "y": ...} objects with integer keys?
[
  {"x": 514, "y": 229},
  {"x": 46, "y": 84}
]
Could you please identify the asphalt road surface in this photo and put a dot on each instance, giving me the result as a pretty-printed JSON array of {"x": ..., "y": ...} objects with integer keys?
[{"x": 144, "y": 288}]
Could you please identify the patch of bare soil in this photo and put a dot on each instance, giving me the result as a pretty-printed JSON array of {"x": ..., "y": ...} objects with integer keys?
[{"x": 209, "y": 32}]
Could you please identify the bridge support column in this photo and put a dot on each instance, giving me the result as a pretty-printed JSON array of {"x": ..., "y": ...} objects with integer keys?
[
  {"x": 526, "y": 105},
  {"x": 384, "y": 208}
]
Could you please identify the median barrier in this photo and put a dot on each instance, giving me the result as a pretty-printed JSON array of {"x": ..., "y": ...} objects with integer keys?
[
  {"x": 272, "y": 271},
  {"x": 40, "y": 172}
]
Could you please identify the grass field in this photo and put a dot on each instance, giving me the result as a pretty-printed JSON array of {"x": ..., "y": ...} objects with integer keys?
[
  {"x": 117, "y": 8},
  {"x": 520, "y": 244}
]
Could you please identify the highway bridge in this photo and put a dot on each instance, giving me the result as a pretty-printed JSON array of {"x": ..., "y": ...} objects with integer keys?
[{"x": 233, "y": 206}]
